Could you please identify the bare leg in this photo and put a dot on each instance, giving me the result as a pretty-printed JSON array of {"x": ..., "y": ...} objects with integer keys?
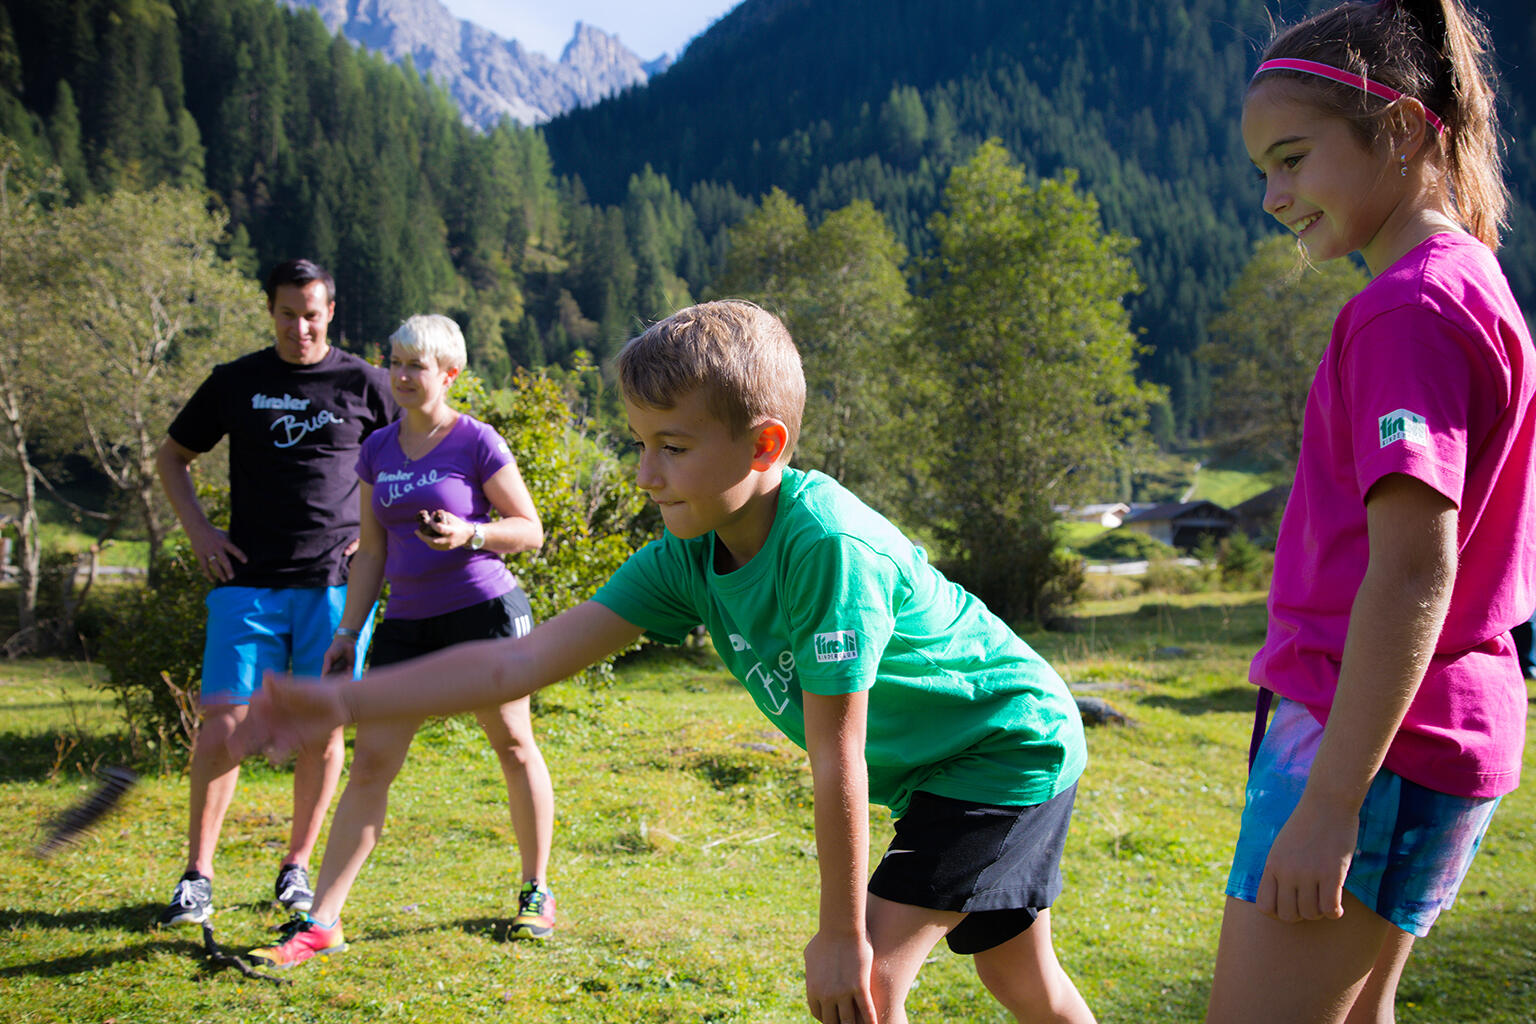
[
  {"x": 1267, "y": 970},
  {"x": 902, "y": 936},
  {"x": 1025, "y": 976},
  {"x": 378, "y": 752},
  {"x": 1376, "y": 1002},
  {"x": 530, "y": 794},
  {"x": 213, "y": 778},
  {"x": 315, "y": 775}
]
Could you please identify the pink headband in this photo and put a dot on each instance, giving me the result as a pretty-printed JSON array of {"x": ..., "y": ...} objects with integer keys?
[{"x": 1312, "y": 67}]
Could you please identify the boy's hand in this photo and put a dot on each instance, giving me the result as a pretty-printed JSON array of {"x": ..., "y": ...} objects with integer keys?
[
  {"x": 837, "y": 979},
  {"x": 287, "y": 715},
  {"x": 1303, "y": 877}
]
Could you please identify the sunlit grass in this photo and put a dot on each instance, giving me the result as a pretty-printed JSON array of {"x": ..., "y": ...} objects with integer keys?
[{"x": 685, "y": 860}]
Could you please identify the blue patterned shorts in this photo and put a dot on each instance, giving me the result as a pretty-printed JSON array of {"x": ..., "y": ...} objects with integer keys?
[{"x": 1415, "y": 844}]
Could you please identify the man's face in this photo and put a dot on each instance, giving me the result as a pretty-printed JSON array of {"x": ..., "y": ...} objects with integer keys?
[{"x": 300, "y": 316}]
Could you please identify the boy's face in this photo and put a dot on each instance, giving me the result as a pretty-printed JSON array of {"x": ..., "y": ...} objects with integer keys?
[{"x": 703, "y": 477}]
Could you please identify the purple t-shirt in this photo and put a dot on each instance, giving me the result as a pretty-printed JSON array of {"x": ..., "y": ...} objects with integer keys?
[
  {"x": 452, "y": 476},
  {"x": 1429, "y": 373}
]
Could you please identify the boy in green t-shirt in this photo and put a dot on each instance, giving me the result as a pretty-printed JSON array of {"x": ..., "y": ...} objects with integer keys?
[{"x": 903, "y": 688}]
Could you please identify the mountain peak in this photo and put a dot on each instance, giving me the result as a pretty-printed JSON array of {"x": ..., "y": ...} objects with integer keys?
[{"x": 488, "y": 76}]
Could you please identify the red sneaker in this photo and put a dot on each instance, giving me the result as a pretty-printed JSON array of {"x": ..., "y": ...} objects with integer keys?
[{"x": 303, "y": 939}]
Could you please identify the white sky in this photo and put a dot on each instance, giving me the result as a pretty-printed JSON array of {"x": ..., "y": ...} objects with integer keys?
[{"x": 649, "y": 29}]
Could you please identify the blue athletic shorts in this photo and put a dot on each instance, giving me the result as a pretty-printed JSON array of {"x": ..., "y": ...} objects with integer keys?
[
  {"x": 252, "y": 630},
  {"x": 1415, "y": 844}
]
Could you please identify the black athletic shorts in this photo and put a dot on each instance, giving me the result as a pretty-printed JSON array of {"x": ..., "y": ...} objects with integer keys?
[
  {"x": 998, "y": 865},
  {"x": 403, "y": 639}
]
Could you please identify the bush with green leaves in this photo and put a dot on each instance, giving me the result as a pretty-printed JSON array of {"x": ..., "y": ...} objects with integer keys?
[
  {"x": 152, "y": 649},
  {"x": 586, "y": 498},
  {"x": 152, "y": 646},
  {"x": 1123, "y": 544}
]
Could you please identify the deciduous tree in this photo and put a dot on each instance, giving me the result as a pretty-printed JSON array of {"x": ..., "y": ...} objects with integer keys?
[
  {"x": 151, "y": 307},
  {"x": 1265, "y": 346},
  {"x": 1025, "y": 299}
]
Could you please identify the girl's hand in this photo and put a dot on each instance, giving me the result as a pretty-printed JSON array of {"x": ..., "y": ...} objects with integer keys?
[
  {"x": 1303, "y": 877},
  {"x": 837, "y": 979},
  {"x": 445, "y": 531}
]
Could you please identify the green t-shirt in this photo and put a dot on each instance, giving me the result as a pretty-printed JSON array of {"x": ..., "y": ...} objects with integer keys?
[{"x": 839, "y": 601}]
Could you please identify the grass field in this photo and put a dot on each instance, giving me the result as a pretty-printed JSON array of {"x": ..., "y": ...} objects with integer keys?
[{"x": 684, "y": 861}]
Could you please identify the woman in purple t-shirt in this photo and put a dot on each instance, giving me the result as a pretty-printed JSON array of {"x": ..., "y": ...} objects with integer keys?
[{"x": 429, "y": 483}]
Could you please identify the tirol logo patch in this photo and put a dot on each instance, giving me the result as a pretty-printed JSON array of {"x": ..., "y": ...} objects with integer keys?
[
  {"x": 841, "y": 646},
  {"x": 1403, "y": 425}
]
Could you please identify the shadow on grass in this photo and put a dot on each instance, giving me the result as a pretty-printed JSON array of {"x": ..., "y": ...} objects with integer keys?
[
  {"x": 1223, "y": 701},
  {"x": 132, "y": 918},
  {"x": 497, "y": 929},
  {"x": 38, "y": 756}
]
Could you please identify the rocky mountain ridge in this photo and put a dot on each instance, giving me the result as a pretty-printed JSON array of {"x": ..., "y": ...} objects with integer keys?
[{"x": 488, "y": 76}]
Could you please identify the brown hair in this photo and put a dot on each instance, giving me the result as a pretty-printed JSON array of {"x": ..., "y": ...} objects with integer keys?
[
  {"x": 1436, "y": 51},
  {"x": 738, "y": 352}
]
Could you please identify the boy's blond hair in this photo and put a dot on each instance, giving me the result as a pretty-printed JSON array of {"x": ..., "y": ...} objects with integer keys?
[{"x": 739, "y": 353}]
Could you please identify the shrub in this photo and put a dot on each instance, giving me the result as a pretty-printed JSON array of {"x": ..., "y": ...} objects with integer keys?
[
  {"x": 587, "y": 500},
  {"x": 1029, "y": 578},
  {"x": 1243, "y": 564},
  {"x": 1170, "y": 576},
  {"x": 152, "y": 647},
  {"x": 1125, "y": 545}
]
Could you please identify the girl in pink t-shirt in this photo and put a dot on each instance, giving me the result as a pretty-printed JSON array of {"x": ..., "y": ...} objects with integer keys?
[{"x": 1406, "y": 550}]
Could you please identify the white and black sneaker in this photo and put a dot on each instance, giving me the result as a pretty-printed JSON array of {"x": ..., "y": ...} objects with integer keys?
[
  {"x": 292, "y": 890},
  {"x": 191, "y": 903}
]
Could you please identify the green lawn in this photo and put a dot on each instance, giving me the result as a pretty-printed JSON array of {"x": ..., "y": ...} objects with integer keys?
[
  {"x": 684, "y": 861},
  {"x": 1229, "y": 487}
]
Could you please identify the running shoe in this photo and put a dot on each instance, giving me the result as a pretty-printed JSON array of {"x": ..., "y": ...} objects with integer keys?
[
  {"x": 291, "y": 891},
  {"x": 191, "y": 903},
  {"x": 535, "y": 913},
  {"x": 302, "y": 940}
]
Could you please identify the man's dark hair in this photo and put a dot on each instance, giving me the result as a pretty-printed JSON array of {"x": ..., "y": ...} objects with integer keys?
[{"x": 301, "y": 273}]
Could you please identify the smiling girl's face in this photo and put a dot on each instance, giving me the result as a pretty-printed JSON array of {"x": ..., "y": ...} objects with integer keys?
[{"x": 1334, "y": 193}]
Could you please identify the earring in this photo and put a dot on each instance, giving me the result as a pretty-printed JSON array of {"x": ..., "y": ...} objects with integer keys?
[{"x": 1402, "y": 167}]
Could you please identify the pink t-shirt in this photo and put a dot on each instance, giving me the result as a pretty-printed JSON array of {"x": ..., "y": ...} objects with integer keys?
[{"x": 1430, "y": 373}]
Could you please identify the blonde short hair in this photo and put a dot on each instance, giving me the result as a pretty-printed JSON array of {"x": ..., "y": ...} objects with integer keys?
[
  {"x": 431, "y": 334},
  {"x": 740, "y": 354}
]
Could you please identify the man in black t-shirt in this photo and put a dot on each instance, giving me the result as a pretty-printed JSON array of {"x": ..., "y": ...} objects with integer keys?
[{"x": 295, "y": 415}]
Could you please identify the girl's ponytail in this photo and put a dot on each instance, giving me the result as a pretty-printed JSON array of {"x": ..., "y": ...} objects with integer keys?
[{"x": 1457, "y": 46}]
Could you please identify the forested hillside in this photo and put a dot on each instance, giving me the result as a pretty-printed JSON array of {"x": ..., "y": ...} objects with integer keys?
[
  {"x": 544, "y": 250},
  {"x": 877, "y": 99},
  {"x": 316, "y": 147}
]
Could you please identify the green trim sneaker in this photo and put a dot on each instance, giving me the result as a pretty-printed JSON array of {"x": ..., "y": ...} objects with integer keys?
[
  {"x": 191, "y": 903},
  {"x": 535, "y": 913},
  {"x": 303, "y": 939}
]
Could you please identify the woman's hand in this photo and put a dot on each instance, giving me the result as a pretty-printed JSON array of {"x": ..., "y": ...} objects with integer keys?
[
  {"x": 340, "y": 656},
  {"x": 441, "y": 530}
]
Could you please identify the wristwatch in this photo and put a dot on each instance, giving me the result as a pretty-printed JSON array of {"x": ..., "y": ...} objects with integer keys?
[{"x": 477, "y": 537}]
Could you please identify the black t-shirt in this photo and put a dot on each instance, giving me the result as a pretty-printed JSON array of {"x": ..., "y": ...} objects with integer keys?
[{"x": 294, "y": 432}]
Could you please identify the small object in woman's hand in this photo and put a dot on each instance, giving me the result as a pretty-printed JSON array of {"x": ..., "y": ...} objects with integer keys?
[{"x": 434, "y": 523}]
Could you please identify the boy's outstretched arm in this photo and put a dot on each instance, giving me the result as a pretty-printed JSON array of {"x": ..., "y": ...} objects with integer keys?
[
  {"x": 289, "y": 714},
  {"x": 839, "y": 959}
]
